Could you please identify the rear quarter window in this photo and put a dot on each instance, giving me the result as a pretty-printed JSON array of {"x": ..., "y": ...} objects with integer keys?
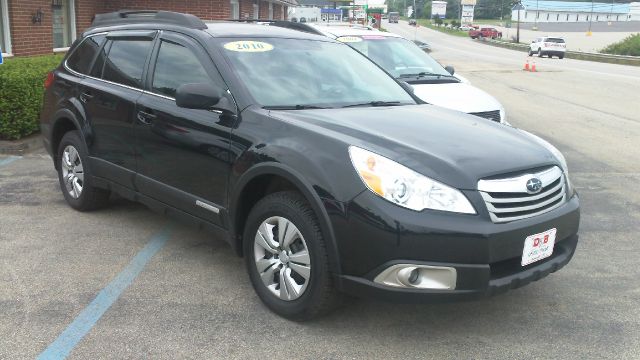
[
  {"x": 125, "y": 62},
  {"x": 84, "y": 55}
]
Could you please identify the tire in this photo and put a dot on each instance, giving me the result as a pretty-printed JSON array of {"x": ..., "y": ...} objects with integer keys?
[
  {"x": 530, "y": 53},
  {"x": 316, "y": 295},
  {"x": 560, "y": 57},
  {"x": 540, "y": 53},
  {"x": 74, "y": 175}
]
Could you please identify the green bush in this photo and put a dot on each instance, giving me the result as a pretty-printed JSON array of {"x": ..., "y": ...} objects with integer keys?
[
  {"x": 21, "y": 93},
  {"x": 629, "y": 46}
]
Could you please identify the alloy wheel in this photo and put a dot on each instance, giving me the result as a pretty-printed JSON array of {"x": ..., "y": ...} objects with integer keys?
[
  {"x": 72, "y": 171},
  {"x": 282, "y": 258}
]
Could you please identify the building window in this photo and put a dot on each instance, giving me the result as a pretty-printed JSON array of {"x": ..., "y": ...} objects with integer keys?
[
  {"x": 64, "y": 23},
  {"x": 567, "y": 17},
  {"x": 256, "y": 10},
  {"x": 5, "y": 36},
  {"x": 548, "y": 17},
  {"x": 284, "y": 12},
  {"x": 270, "y": 11},
  {"x": 235, "y": 9}
]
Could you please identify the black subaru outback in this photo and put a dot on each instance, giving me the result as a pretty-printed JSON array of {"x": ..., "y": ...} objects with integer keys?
[{"x": 317, "y": 166}]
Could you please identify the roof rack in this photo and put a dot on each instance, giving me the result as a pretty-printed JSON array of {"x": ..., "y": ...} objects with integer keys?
[
  {"x": 283, "y": 24},
  {"x": 148, "y": 16}
]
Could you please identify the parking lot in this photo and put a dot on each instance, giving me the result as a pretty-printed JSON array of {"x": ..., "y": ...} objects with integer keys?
[{"x": 190, "y": 297}]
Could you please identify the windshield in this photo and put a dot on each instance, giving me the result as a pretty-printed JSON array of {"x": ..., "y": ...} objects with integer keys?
[
  {"x": 301, "y": 74},
  {"x": 396, "y": 55}
]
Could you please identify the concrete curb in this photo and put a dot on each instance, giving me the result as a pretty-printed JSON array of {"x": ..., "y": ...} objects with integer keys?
[
  {"x": 22, "y": 146},
  {"x": 604, "y": 58}
]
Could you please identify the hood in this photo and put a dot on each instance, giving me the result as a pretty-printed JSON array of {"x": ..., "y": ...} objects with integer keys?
[
  {"x": 457, "y": 96},
  {"x": 448, "y": 146}
]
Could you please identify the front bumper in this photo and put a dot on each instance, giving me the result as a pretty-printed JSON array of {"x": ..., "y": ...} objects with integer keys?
[{"x": 486, "y": 256}]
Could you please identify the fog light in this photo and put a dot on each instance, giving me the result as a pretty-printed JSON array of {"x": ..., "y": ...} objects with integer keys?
[{"x": 418, "y": 276}]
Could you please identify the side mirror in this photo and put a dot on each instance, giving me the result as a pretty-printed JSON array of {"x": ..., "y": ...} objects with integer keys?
[
  {"x": 405, "y": 85},
  {"x": 533, "y": 41},
  {"x": 450, "y": 69},
  {"x": 202, "y": 96}
]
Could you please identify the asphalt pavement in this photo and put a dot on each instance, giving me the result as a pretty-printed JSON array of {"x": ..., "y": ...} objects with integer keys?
[{"x": 191, "y": 298}]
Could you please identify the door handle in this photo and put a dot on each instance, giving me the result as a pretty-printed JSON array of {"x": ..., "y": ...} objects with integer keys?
[
  {"x": 85, "y": 96},
  {"x": 145, "y": 117}
]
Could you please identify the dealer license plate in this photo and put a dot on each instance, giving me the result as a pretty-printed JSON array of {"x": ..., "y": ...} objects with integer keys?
[{"x": 538, "y": 247}]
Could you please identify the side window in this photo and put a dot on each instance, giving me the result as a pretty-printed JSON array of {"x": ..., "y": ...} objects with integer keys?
[
  {"x": 176, "y": 66},
  {"x": 83, "y": 55},
  {"x": 125, "y": 62},
  {"x": 98, "y": 65}
]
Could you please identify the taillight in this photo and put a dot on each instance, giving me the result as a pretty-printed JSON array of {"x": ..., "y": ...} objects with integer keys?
[{"x": 49, "y": 80}]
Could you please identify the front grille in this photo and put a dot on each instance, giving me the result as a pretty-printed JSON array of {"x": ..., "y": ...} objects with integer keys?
[
  {"x": 491, "y": 115},
  {"x": 507, "y": 199}
]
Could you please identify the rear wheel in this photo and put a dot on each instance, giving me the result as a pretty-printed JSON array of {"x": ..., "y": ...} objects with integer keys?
[
  {"x": 530, "y": 52},
  {"x": 74, "y": 175},
  {"x": 286, "y": 257}
]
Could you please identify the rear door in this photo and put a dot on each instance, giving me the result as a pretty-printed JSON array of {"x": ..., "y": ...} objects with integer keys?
[
  {"x": 109, "y": 96},
  {"x": 182, "y": 154}
]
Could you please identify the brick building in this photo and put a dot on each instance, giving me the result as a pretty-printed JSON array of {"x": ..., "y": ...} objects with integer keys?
[{"x": 33, "y": 27}]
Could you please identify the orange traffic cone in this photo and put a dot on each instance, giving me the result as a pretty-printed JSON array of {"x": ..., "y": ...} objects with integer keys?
[
  {"x": 526, "y": 66},
  {"x": 533, "y": 66}
]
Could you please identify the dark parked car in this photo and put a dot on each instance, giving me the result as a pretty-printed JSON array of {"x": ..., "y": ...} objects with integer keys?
[
  {"x": 412, "y": 22},
  {"x": 423, "y": 45},
  {"x": 325, "y": 184}
]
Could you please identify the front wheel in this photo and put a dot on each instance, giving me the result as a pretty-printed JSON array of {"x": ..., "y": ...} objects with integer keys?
[
  {"x": 530, "y": 52},
  {"x": 539, "y": 52},
  {"x": 286, "y": 257},
  {"x": 561, "y": 57}
]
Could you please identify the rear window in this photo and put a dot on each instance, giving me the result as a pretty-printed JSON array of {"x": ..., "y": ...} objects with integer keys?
[
  {"x": 555, "y": 40},
  {"x": 125, "y": 62},
  {"x": 83, "y": 56}
]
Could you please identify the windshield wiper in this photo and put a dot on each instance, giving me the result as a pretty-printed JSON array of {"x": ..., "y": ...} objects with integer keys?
[
  {"x": 375, "y": 103},
  {"x": 293, "y": 107},
  {"x": 424, "y": 73}
]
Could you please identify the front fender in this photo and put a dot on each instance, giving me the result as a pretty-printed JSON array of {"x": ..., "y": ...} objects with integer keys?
[{"x": 320, "y": 201}]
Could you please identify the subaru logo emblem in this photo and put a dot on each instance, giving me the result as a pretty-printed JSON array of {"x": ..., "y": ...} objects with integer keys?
[{"x": 534, "y": 185}]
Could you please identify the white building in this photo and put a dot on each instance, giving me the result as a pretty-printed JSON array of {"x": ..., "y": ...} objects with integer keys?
[{"x": 566, "y": 11}]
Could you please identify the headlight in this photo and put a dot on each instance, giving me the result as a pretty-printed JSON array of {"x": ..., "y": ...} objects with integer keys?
[
  {"x": 558, "y": 155},
  {"x": 405, "y": 187}
]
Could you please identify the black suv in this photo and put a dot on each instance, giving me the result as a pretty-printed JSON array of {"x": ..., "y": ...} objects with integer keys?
[{"x": 317, "y": 166}]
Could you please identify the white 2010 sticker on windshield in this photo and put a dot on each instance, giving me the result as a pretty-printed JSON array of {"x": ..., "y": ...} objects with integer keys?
[
  {"x": 248, "y": 46},
  {"x": 348, "y": 39}
]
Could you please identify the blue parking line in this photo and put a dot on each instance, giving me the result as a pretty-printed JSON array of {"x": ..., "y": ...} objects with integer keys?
[
  {"x": 85, "y": 321},
  {"x": 8, "y": 160}
]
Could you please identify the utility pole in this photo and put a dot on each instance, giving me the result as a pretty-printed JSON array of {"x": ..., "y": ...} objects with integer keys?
[
  {"x": 590, "y": 19},
  {"x": 518, "y": 30},
  {"x": 535, "y": 27}
]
